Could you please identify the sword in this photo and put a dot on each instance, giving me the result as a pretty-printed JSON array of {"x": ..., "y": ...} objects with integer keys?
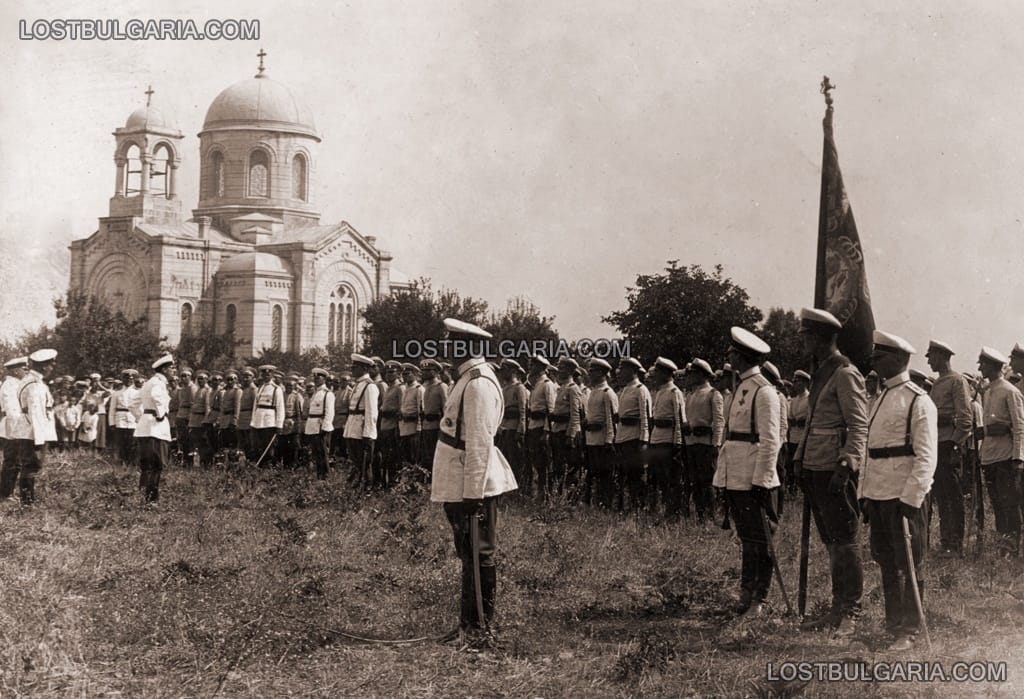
[
  {"x": 913, "y": 579},
  {"x": 805, "y": 535},
  {"x": 775, "y": 560},
  {"x": 474, "y": 533},
  {"x": 269, "y": 444}
]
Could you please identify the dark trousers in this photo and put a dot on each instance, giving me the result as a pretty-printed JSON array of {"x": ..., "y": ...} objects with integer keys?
[
  {"x": 788, "y": 475},
  {"x": 181, "y": 433},
  {"x": 460, "y": 517},
  {"x": 197, "y": 438},
  {"x": 362, "y": 452},
  {"x": 538, "y": 454},
  {"x": 561, "y": 455},
  {"x": 1004, "y": 491},
  {"x": 600, "y": 488},
  {"x": 389, "y": 454},
  {"x": 888, "y": 548},
  {"x": 261, "y": 437},
  {"x": 698, "y": 476},
  {"x": 948, "y": 495},
  {"x": 22, "y": 462},
  {"x": 247, "y": 443},
  {"x": 212, "y": 438},
  {"x": 321, "y": 445},
  {"x": 125, "y": 444},
  {"x": 428, "y": 445},
  {"x": 630, "y": 474},
  {"x": 837, "y": 518},
  {"x": 409, "y": 448},
  {"x": 756, "y": 566},
  {"x": 665, "y": 478},
  {"x": 228, "y": 438},
  {"x": 288, "y": 448},
  {"x": 511, "y": 444},
  {"x": 152, "y": 461}
]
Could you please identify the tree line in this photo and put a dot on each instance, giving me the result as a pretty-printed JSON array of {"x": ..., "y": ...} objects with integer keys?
[{"x": 680, "y": 313}]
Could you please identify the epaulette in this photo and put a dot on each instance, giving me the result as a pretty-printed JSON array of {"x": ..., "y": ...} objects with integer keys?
[
  {"x": 474, "y": 374},
  {"x": 915, "y": 388}
]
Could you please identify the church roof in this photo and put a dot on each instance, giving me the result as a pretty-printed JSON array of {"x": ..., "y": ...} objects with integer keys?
[
  {"x": 186, "y": 229},
  {"x": 260, "y": 262},
  {"x": 259, "y": 103},
  {"x": 147, "y": 118}
]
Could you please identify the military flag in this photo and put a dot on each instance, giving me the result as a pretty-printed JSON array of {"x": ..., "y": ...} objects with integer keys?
[{"x": 841, "y": 284}]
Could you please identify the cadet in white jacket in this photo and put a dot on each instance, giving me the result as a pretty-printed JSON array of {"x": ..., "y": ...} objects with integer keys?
[
  {"x": 10, "y": 411},
  {"x": 361, "y": 425},
  {"x": 470, "y": 472},
  {"x": 153, "y": 430}
]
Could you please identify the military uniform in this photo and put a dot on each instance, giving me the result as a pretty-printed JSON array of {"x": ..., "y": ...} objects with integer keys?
[
  {"x": 831, "y": 452},
  {"x": 186, "y": 389},
  {"x": 897, "y": 475},
  {"x": 293, "y": 408},
  {"x": 797, "y": 429},
  {"x": 631, "y": 440},
  {"x": 747, "y": 469},
  {"x": 411, "y": 415},
  {"x": 469, "y": 473},
  {"x": 538, "y": 428},
  {"x": 229, "y": 412},
  {"x": 361, "y": 427},
  {"x": 124, "y": 420},
  {"x": 10, "y": 414},
  {"x": 566, "y": 427},
  {"x": 154, "y": 431},
  {"x": 267, "y": 417},
  {"x": 704, "y": 432},
  {"x": 952, "y": 399},
  {"x": 243, "y": 428},
  {"x": 202, "y": 401},
  {"x": 512, "y": 431},
  {"x": 435, "y": 395},
  {"x": 602, "y": 420},
  {"x": 390, "y": 414},
  {"x": 1002, "y": 454},
  {"x": 665, "y": 457},
  {"x": 341, "y": 396},
  {"x": 320, "y": 424}
]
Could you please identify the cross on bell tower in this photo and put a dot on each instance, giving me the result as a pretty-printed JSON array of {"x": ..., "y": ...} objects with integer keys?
[
  {"x": 149, "y": 95},
  {"x": 261, "y": 55}
]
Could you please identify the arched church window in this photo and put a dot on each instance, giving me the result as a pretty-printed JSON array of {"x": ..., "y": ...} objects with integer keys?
[
  {"x": 133, "y": 171},
  {"x": 346, "y": 314},
  {"x": 299, "y": 177},
  {"x": 186, "y": 319},
  {"x": 259, "y": 174},
  {"x": 230, "y": 315},
  {"x": 215, "y": 185},
  {"x": 275, "y": 328},
  {"x": 159, "y": 178},
  {"x": 331, "y": 325}
]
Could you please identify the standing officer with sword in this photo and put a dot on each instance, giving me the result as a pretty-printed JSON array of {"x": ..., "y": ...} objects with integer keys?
[
  {"x": 902, "y": 455},
  {"x": 470, "y": 472}
]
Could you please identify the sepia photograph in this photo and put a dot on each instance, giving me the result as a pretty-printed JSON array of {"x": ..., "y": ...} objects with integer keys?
[{"x": 517, "y": 349}]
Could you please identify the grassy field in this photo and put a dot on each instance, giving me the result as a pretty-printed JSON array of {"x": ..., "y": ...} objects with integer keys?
[{"x": 247, "y": 584}]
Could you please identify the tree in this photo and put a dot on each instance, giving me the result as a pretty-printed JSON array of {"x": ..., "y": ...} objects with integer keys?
[
  {"x": 781, "y": 330},
  {"x": 683, "y": 313},
  {"x": 522, "y": 324},
  {"x": 207, "y": 351},
  {"x": 398, "y": 324},
  {"x": 335, "y": 357},
  {"x": 90, "y": 336}
]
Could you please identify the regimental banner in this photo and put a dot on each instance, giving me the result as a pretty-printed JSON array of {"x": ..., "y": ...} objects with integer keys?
[{"x": 841, "y": 284}]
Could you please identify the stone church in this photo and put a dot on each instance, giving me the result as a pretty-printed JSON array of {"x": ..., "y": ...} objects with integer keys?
[{"x": 253, "y": 258}]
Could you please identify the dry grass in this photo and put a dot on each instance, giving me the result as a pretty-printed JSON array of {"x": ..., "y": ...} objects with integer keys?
[{"x": 245, "y": 584}]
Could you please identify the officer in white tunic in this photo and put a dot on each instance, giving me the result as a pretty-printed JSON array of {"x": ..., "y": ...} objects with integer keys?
[
  {"x": 153, "y": 430},
  {"x": 267, "y": 413},
  {"x": 320, "y": 421},
  {"x": 33, "y": 429},
  {"x": 361, "y": 426},
  {"x": 747, "y": 465},
  {"x": 897, "y": 475},
  {"x": 470, "y": 472}
]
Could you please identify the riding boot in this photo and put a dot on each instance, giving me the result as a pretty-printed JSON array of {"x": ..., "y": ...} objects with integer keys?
[
  {"x": 8, "y": 479},
  {"x": 488, "y": 589},
  {"x": 468, "y": 617},
  {"x": 28, "y": 490}
]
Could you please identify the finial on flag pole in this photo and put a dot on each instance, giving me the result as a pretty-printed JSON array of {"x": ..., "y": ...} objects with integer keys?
[{"x": 826, "y": 89}]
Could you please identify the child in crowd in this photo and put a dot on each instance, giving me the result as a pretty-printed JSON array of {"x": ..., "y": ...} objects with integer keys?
[{"x": 89, "y": 426}]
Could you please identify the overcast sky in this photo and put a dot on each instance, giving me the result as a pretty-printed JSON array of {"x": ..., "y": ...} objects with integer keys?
[{"x": 558, "y": 149}]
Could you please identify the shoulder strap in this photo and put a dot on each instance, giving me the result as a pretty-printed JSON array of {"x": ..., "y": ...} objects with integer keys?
[
  {"x": 910, "y": 414},
  {"x": 462, "y": 399},
  {"x": 753, "y": 411}
]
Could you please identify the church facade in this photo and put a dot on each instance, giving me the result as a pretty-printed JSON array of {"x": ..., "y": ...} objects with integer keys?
[{"x": 253, "y": 258}]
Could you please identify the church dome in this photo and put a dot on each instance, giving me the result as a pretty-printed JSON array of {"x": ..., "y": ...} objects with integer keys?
[
  {"x": 147, "y": 118},
  {"x": 256, "y": 263},
  {"x": 259, "y": 103}
]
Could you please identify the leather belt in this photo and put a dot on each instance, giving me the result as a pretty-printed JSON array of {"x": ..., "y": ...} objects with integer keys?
[
  {"x": 432, "y": 417},
  {"x": 410, "y": 418},
  {"x": 122, "y": 410},
  {"x": 356, "y": 412},
  {"x": 538, "y": 414},
  {"x": 827, "y": 431},
  {"x": 997, "y": 429},
  {"x": 743, "y": 437},
  {"x": 512, "y": 412},
  {"x": 798, "y": 422},
  {"x": 660, "y": 422},
  {"x": 891, "y": 452},
  {"x": 266, "y": 407},
  {"x": 320, "y": 415},
  {"x": 595, "y": 426},
  {"x": 700, "y": 431},
  {"x": 560, "y": 419},
  {"x": 388, "y": 414},
  {"x": 629, "y": 421},
  {"x": 945, "y": 420},
  {"x": 451, "y": 441}
]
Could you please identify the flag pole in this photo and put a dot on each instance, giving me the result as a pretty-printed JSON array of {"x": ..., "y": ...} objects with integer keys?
[{"x": 820, "y": 277}]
